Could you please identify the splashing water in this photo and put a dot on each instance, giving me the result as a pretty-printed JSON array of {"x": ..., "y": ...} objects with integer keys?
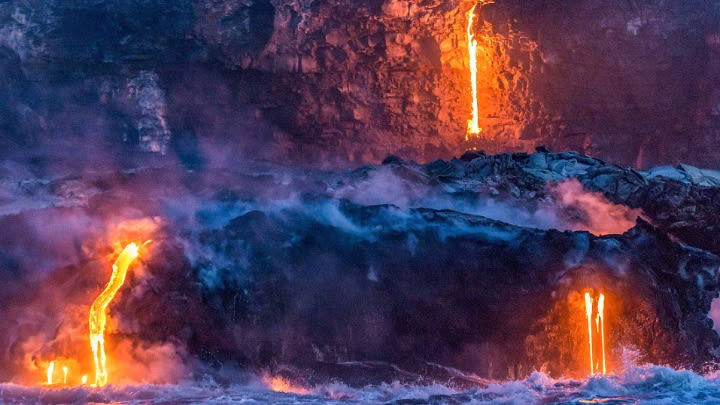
[{"x": 636, "y": 385}]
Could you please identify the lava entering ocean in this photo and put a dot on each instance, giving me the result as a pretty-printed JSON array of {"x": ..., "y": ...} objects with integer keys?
[
  {"x": 280, "y": 384},
  {"x": 97, "y": 319},
  {"x": 294, "y": 261},
  {"x": 98, "y": 311},
  {"x": 600, "y": 328},
  {"x": 353, "y": 280}
]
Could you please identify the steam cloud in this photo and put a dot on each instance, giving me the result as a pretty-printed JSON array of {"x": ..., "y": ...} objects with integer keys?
[{"x": 62, "y": 233}]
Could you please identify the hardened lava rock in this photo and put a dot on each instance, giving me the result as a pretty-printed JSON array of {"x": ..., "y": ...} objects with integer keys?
[{"x": 476, "y": 264}]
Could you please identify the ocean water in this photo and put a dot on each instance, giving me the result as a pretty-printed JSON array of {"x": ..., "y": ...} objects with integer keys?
[{"x": 636, "y": 385}]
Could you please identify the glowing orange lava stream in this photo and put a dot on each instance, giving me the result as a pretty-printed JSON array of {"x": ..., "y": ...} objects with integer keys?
[
  {"x": 473, "y": 124},
  {"x": 50, "y": 370},
  {"x": 98, "y": 316},
  {"x": 600, "y": 327},
  {"x": 601, "y": 308},
  {"x": 588, "y": 311}
]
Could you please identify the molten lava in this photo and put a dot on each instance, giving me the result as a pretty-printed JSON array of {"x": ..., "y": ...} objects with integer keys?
[
  {"x": 98, "y": 316},
  {"x": 601, "y": 308},
  {"x": 588, "y": 311},
  {"x": 50, "y": 370},
  {"x": 473, "y": 123},
  {"x": 279, "y": 384},
  {"x": 51, "y": 373},
  {"x": 600, "y": 328}
]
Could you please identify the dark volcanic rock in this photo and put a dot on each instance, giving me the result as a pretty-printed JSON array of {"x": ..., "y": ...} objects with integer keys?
[
  {"x": 332, "y": 81},
  {"x": 394, "y": 269},
  {"x": 495, "y": 300}
]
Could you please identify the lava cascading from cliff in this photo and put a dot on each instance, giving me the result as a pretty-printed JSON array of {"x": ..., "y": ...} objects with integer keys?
[
  {"x": 50, "y": 371},
  {"x": 601, "y": 317},
  {"x": 473, "y": 123},
  {"x": 588, "y": 312},
  {"x": 473, "y": 126},
  {"x": 98, "y": 311},
  {"x": 600, "y": 328}
]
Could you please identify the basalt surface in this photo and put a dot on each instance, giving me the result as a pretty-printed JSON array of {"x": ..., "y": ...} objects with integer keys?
[{"x": 384, "y": 272}]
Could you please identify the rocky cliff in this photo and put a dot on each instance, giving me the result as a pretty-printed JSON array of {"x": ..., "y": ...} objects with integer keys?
[
  {"x": 476, "y": 263},
  {"x": 634, "y": 82}
]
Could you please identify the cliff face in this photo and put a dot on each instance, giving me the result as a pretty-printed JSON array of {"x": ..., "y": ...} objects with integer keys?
[
  {"x": 632, "y": 81},
  {"x": 478, "y": 264},
  {"x": 635, "y": 82}
]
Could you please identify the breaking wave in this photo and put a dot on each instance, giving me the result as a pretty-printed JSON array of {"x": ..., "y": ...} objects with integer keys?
[{"x": 636, "y": 385}]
